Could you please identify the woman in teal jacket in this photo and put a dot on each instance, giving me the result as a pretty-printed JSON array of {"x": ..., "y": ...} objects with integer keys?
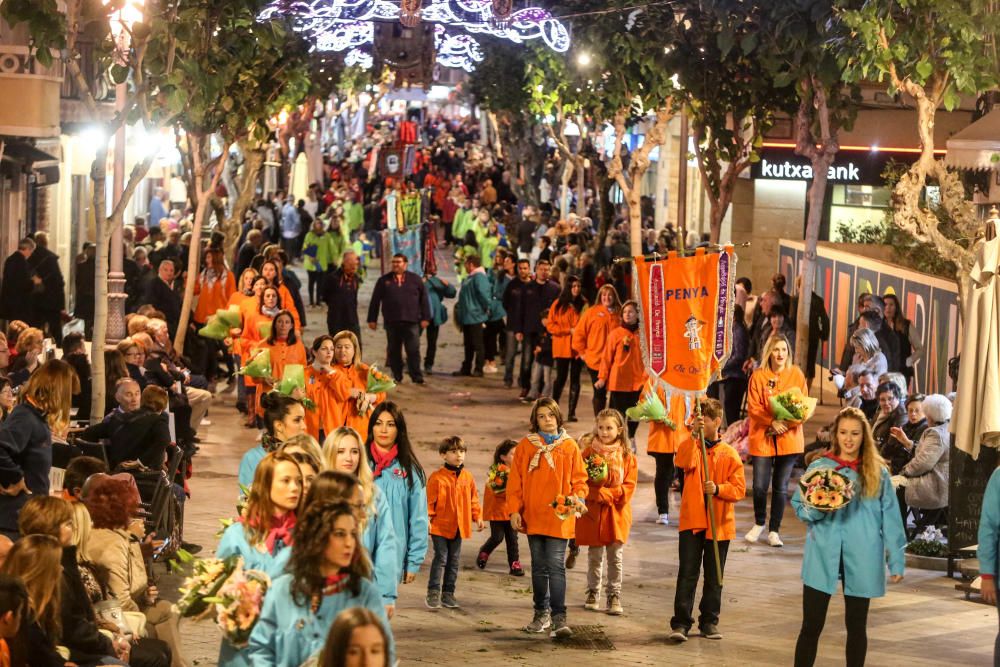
[
  {"x": 402, "y": 481},
  {"x": 327, "y": 574},
  {"x": 851, "y": 544},
  {"x": 989, "y": 546},
  {"x": 472, "y": 313},
  {"x": 495, "y": 335},
  {"x": 438, "y": 290}
]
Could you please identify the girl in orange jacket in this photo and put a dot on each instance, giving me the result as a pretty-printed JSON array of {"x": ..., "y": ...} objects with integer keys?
[
  {"x": 774, "y": 444},
  {"x": 213, "y": 288},
  {"x": 350, "y": 382},
  {"x": 495, "y": 510},
  {"x": 234, "y": 342},
  {"x": 606, "y": 525},
  {"x": 622, "y": 372},
  {"x": 249, "y": 338},
  {"x": 591, "y": 334},
  {"x": 547, "y": 468},
  {"x": 327, "y": 414},
  {"x": 271, "y": 270},
  {"x": 286, "y": 349},
  {"x": 564, "y": 315},
  {"x": 661, "y": 444}
]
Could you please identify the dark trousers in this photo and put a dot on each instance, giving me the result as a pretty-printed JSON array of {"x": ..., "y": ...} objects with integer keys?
[
  {"x": 430, "y": 354},
  {"x": 570, "y": 368},
  {"x": 53, "y": 320},
  {"x": 600, "y": 395},
  {"x": 622, "y": 401},
  {"x": 773, "y": 471},
  {"x": 501, "y": 531},
  {"x": 664, "y": 478},
  {"x": 696, "y": 555},
  {"x": 494, "y": 339},
  {"x": 472, "y": 340},
  {"x": 904, "y": 509},
  {"x": 401, "y": 335},
  {"x": 446, "y": 555},
  {"x": 730, "y": 393},
  {"x": 527, "y": 359},
  {"x": 334, "y": 325},
  {"x": 548, "y": 573},
  {"x": 814, "y": 606},
  {"x": 315, "y": 282}
]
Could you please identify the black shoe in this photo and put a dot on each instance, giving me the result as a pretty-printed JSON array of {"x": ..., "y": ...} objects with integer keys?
[
  {"x": 459, "y": 374},
  {"x": 508, "y": 384},
  {"x": 477, "y": 374},
  {"x": 428, "y": 370},
  {"x": 523, "y": 394},
  {"x": 190, "y": 547},
  {"x": 711, "y": 631},
  {"x": 419, "y": 381},
  {"x": 572, "y": 418}
]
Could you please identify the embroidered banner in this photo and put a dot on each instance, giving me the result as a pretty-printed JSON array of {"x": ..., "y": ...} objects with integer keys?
[
  {"x": 407, "y": 243},
  {"x": 687, "y": 317}
]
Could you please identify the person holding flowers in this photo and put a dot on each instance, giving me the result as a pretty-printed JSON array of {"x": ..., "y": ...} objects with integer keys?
[
  {"x": 495, "y": 510},
  {"x": 547, "y": 483},
  {"x": 666, "y": 420},
  {"x": 356, "y": 387},
  {"x": 775, "y": 443},
  {"x": 612, "y": 474},
  {"x": 284, "y": 418},
  {"x": 328, "y": 572},
  {"x": 344, "y": 453},
  {"x": 257, "y": 325},
  {"x": 327, "y": 414},
  {"x": 849, "y": 538},
  {"x": 724, "y": 481},
  {"x": 590, "y": 336},
  {"x": 400, "y": 477},
  {"x": 285, "y": 348},
  {"x": 622, "y": 372}
]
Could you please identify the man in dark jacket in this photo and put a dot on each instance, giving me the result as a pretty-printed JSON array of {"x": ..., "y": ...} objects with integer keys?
[
  {"x": 247, "y": 251},
  {"x": 340, "y": 294},
  {"x": 50, "y": 289},
  {"x": 162, "y": 294},
  {"x": 16, "y": 291},
  {"x": 405, "y": 310},
  {"x": 83, "y": 303}
]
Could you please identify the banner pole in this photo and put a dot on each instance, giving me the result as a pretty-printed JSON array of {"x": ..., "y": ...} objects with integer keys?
[
  {"x": 680, "y": 253},
  {"x": 708, "y": 497}
]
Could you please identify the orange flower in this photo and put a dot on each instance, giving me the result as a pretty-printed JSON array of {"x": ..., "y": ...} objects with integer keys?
[{"x": 560, "y": 499}]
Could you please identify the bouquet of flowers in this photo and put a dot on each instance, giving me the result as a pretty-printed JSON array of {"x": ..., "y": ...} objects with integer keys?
[
  {"x": 238, "y": 604},
  {"x": 650, "y": 409},
  {"x": 825, "y": 489},
  {"x": 597, "y": 468},
  {"x": 378, "y": 381},
  {"x": 566, "y": 506},
  {"x": 792, "y": 406},
  {"x": 294, "y": 377},
  {"x": 231, "y": 316},
  {"x": 214, "y": 329},
  {"x": 259, "y": 366},
  {"x": 207, "y": 578},
  {"x": 264, "y": 329},
  {"x": 497, "y": 478}
]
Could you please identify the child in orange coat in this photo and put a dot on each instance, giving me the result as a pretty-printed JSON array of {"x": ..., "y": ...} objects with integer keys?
[
  {"x": 724, "y": 481},
  {"x": 495, "y": 510},
  {"x": 606, "y": 525},
  {"x": 622, "y": 372},
  {"x": 547, "y": 467},
  {"x": 452, "y": 506}
]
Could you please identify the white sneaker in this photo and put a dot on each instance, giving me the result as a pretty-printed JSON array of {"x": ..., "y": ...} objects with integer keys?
[
  {"x": 754, "y": 534},
  {"x": 205, "y": 422},
  {"x": 774, "y": 539},
  {"x": 664, "y": 519},
  {"x": 490, "y": 367}
]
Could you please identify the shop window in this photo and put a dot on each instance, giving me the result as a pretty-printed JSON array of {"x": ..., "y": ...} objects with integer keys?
[{"x": 857, "y": 212}]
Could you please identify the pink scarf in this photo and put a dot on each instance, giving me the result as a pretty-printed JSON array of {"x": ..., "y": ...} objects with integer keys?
[{"x": 382, "y": 461}]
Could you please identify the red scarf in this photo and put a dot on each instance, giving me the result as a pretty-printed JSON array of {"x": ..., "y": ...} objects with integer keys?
[
  {"x": 382, "y": 461},
  {"x": 332, "y": 585},
  {"x": 841, "y": 463},
  {"x": 281, "y": 529}
]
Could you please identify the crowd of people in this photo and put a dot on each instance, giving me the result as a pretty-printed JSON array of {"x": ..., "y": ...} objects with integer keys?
[{"x": 338, "y": 510}]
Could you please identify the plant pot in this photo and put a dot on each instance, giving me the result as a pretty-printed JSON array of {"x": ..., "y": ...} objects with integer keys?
[{"x": 935, "y": 563}]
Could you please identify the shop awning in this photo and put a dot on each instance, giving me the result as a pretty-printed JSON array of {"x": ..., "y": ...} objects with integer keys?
[{"x": 977, "y": 147}]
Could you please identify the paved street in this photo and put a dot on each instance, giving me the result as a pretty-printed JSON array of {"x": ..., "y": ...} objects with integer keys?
[{"x": 922, "y": 621}]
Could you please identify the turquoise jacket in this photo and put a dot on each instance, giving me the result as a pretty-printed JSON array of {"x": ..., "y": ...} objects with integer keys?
[
  {"x": 861, "y": 538},
  {"x": 408, "y": 507},
  {"x": 989, "y": 527},
  {"x": 287, "y": 634},
  {"x": 438, "y": 291},
  {"x": 234, "y": 542},
  {"x": 379, "y": 540},
  {"x": 498, "y": 283},
  {"x": 249, "y": 463},
  {"x": 474, "y": 299}
]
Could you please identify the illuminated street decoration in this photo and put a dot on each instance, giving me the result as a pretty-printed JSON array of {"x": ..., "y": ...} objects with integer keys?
[
  {"x": 459, "y": 51},
  {"x": 409, "y": 12}
]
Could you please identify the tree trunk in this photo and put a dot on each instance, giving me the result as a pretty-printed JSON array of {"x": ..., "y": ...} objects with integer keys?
[
  {"x": 566, "y": 194},
  {"x": 253, "y": 161},
  {"x": 99, "y": 176},
  {"x": 581, "y": 184}
]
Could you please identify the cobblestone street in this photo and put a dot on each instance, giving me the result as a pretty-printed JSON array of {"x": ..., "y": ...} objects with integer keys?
[{"x": 922, "y": 621}]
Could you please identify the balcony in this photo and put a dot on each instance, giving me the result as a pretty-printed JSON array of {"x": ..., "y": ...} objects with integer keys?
[{"x": 34, "y": 89}]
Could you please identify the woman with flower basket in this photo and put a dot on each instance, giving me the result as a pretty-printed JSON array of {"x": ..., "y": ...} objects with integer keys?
[
  {"x": 495, "y": 510},
  {"x": 847, "y": 501},
  {"x": 544, "y": 495},
  {"x": 775, "y": 441},
  {"x": 612, "y": 474}
]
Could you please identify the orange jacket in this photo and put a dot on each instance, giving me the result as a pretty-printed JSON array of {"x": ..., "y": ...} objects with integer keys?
[
  {"x": 759, "y": 412},
  {"x": 287, "y": 303},
  {"x": 213, "y": 297},
  {"x": 726, "y": 470},
  {"x": 328, "y": 414},
  {"x": 355, "y": 377},
  {"x": 560, "y": 324},
  {"x": 662, "y": 439},
  {"x": 621, "y": 367},
  {"x": 494, "y": 506},
  {"x": 282, "y": 354},
  {"x": 591, "y": 333},
  {"x": 609, "y": 509},
  {"x": 452, "y": 503},
  {"x": 530, "y": 493},
  {"x": 250, "y": 339}
]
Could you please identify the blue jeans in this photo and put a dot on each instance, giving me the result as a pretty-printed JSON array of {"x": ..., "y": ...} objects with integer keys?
[
  {"x": 446, "y": 554},
  {"x": 773, "y": 471},
  {"x": 548, "y": 573}
]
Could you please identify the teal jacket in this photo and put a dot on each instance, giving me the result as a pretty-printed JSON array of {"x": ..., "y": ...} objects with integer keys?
[
  {"x": 989, "y": 527},
  {"x": 379, "y": 539},
  {"x": 249, "y": 463},
  {"x": 408, "y": 507},
  {"x": 498, "y": 283},
  {"x": 437, "y": 292},
  {"x": 287, "y": 633},
  {"x": 474, "y": 299},
  {"x": 861, "y": 538}
]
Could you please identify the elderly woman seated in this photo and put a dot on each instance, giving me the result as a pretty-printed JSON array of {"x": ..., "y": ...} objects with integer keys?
[
  {"x": 867, "y": 357},
  {"x": 925, "y": 477}
]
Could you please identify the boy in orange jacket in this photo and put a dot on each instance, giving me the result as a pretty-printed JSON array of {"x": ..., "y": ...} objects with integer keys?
[
  {"x": 452, "y": 506},
  {"x": 726, "y": 484}
]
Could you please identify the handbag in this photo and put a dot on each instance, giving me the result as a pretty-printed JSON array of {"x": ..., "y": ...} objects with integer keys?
[{"x": 129, "y": 622}]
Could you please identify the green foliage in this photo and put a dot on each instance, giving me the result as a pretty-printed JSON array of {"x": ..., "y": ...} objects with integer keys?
[
  {"x": 498, "y": 83},
  {"x": 930, "y": 548},
  {"x": 45, "y": 23}
]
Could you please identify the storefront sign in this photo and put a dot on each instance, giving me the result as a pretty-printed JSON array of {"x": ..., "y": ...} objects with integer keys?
[{"x": 854, "y": 167}]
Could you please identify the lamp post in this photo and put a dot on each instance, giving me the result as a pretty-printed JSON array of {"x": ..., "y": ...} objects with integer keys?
[{"x": 121, "y": 29}]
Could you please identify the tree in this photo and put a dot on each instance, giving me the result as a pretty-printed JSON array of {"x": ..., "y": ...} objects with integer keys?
[{"x": 930, "y": 53}]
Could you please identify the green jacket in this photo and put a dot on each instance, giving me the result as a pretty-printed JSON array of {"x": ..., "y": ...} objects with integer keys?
[
  {"x": 317, "y": 251},
  {"x": 438, "y": 291},
  {"x": 474, "y": 299}
]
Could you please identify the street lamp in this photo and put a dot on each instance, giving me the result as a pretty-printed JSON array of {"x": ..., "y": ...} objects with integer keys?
[{"x": 130, "y": 13}]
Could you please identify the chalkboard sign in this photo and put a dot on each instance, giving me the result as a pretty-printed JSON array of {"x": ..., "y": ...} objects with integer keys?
[{"x": 966, "y": 487}]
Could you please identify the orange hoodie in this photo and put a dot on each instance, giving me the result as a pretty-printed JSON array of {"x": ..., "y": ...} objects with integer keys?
[
  {"x": 287, "y": 303},
  {"x": 621, "y": 368},
  {"x": 591, "y": 334},
  {"x": 560, "y": 324},
  {"x": 212, "y": 297},
  {"x": 609, "y": 508},
  {"x": 662, "y": 439},
  {"x": 354, "y": 377},
  {"x": 495, "y": 506},
  {"x": 530, "y": 493},
  {"x": 726, "y": 470},
  {"x": 759, "y": 413},
  {"x": 282, "y": 354},
  {"x": 328, "y": 414},
  {"x": 452, "y": 503}
]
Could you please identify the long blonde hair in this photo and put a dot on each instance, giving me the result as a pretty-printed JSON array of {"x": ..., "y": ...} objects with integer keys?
[
  {"x": 50, "y": 389},
  {"x": 37, "y": 561},
  {"x": 872, "y": 463},
  {"x": 765, "y": 357},
  {"x": 364, "y": 471}
]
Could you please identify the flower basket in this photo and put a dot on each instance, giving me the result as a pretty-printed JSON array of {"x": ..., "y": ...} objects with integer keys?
[
  {"x": 567, "y": 506},
  {"x": 597, "y": 469},
  {"x": 496, "y": 479},
  {"x": 207, "y": 578},
  {"x": 826, "y": 490},
  {"x": 792, "y": 406},
  {"x": 238, "y": 604}
]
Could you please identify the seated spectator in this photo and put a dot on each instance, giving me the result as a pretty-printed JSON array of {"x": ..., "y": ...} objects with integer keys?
[
  {"x": 13, "y": 610},
  {"x": 144, "y": 435},
  {"x": 868, "y": 358},
  {"x": 78, "y": 472},
  {"x": 891, "y": 414},
  {"x": 75, "y": 354},
  {"x": 926, "y": 476},
  {"x": 6, "y": 398},
  {"x": 29, "y": 355},
  {"x": 37, "y": 561},
  {"x": 167, "y": 368},
  {"x": 114, "y": 370},
  {"x": 14, "y": 330},
  {"x": 4, "y": 355},
  {"x": 133, "y": 350}
]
